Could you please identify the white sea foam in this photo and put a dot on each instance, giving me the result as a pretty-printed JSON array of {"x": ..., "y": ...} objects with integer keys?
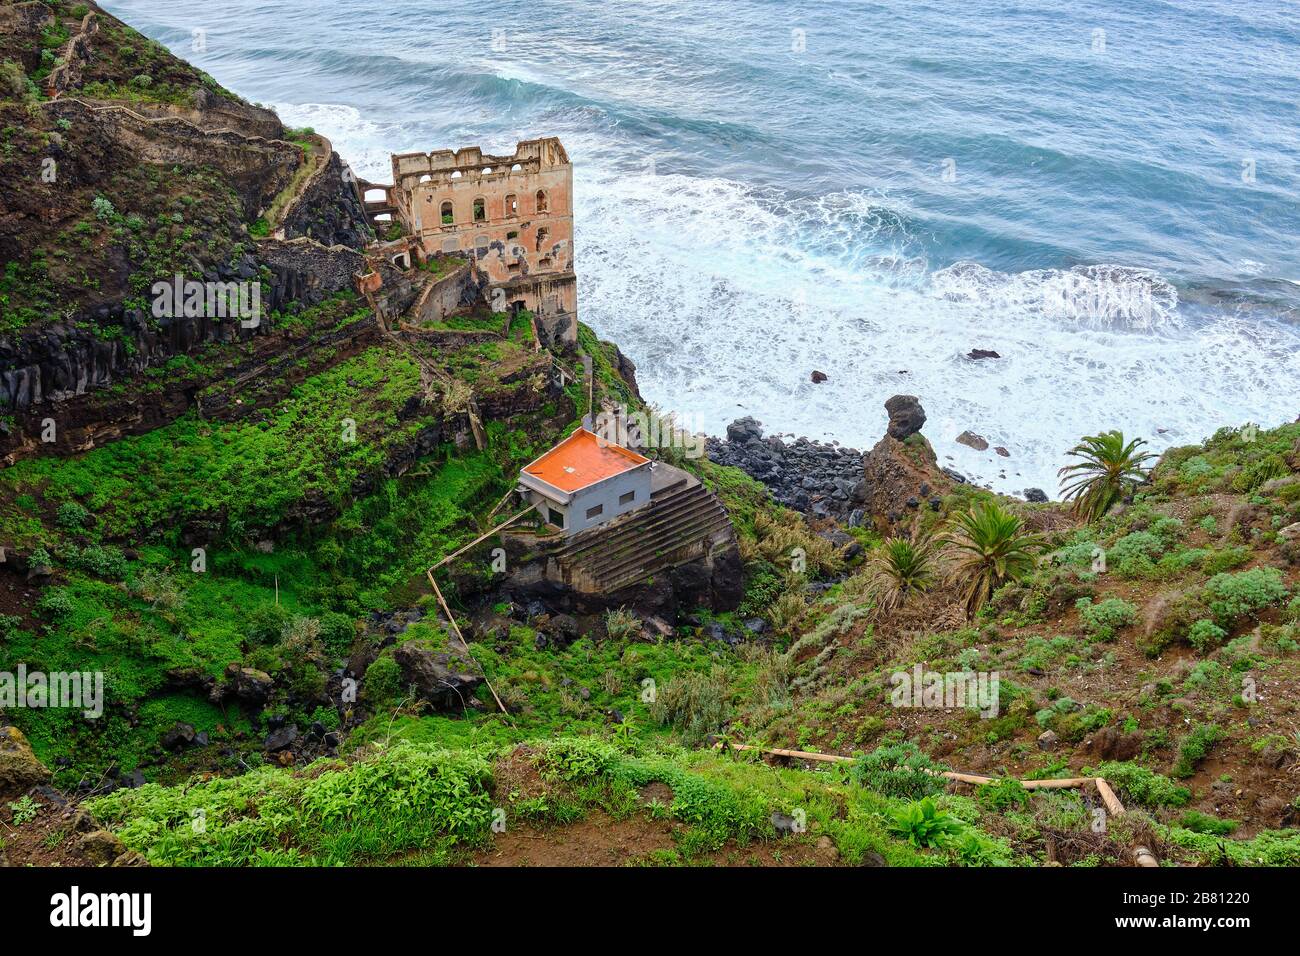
[
  {"x": 727, "y": 297},
  {"x": 728, "y": 304}
]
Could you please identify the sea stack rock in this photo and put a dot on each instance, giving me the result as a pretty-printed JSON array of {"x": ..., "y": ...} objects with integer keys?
[
  {"x": 906, "y": 416},
  {"x": 899, "y": 474}
]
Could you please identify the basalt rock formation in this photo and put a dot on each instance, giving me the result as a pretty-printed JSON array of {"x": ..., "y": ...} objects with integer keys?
[
  {"x": 901, "y": 474},
  {"x": 809, "y": 476},
  {"x": 125, "y": 189}
]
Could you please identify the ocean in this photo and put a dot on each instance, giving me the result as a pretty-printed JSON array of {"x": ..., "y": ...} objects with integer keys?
[{"x": 1105, "y": 193}]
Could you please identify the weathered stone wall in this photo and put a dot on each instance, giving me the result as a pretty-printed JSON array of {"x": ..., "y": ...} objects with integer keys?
[
  {"x": 513, "y": 214},
  {"x": 329, "y": 209},
  {"x": 445, "y": 295}
]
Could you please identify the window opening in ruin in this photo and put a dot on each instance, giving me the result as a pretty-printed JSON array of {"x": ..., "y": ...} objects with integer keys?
[
  {"x": 512, "y": 205},
  {"x": 541, "y": 200},
  {"x": 447, "y": 215},
  {"x": 480, "y": 210}
]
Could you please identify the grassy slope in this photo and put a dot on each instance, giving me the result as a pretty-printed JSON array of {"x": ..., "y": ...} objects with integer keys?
[{"x": 783, "y": 695}]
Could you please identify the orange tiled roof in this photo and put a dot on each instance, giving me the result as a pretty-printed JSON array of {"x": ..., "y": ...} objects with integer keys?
[{"x": 582, "y": 459}]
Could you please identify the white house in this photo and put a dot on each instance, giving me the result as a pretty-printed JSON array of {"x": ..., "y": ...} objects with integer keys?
[{"x": 585, "y": 481}]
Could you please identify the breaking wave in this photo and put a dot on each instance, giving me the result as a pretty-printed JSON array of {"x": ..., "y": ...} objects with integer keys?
[{"x": 1099, "y": 296}]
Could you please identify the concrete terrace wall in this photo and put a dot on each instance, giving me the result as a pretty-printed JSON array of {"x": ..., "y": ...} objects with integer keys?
[{"x": 443, "y": 296}]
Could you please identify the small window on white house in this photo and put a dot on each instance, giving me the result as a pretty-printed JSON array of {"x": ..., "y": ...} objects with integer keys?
[
  {"x": 555, "y": 517},
  {"x": 596, "y": 511},
  {"x": 627, "y": 498}
]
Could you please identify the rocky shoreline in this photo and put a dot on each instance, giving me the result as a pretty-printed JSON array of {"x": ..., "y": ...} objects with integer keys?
[
  {"x": 820, "y": 479},
  {"x": 824, "y": 480}
]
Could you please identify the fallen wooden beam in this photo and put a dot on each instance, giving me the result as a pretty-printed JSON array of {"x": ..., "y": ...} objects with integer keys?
[
  {"x": 481, "y": 538},
  {"x": 1141, "y": 855},
  {"x": 461, "y": 637}
]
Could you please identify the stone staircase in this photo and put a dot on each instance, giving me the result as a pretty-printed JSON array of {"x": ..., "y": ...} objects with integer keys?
[{"x": 683, "y": 522}]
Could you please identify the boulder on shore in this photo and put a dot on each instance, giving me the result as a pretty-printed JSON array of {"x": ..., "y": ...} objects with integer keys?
[{"x": 906, "y": 416}]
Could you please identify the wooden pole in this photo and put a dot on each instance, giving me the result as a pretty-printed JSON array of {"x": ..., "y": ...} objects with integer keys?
[
  {"x": 1141, "y": 855},
  {"x": 442, "y": 602},
  {"x": 484, "y": 536},
  {"x": 504, "y": 499},
  {"x": 461, "y": 637}
]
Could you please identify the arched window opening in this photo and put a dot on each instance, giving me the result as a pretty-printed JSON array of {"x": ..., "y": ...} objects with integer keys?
[
  {"x": 480, "y": 210},
  {"x": 541, "y": 200},
  {"x": 512, "y": 205},
  {"x": 447, "y": 216}
]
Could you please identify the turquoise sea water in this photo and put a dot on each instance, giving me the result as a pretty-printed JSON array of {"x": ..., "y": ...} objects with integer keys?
[{"x": 1106, "y": 193}]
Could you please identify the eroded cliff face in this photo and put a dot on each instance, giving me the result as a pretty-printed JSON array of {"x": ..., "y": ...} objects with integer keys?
[{"x": 135, "y": 168}]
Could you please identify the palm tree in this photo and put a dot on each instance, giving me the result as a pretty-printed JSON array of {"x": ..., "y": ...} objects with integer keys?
[
  {"x": 987, "y": 547},
  {"x": 898, "y": 571},
  {"x": 1109, "y": 470}
]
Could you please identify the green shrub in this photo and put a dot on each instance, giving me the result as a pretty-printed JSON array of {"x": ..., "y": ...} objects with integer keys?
[
  {"x": 72, "y": 516},
  {"x": 1233, "y": 596},
  {"x": 267, "y": 623},
  {"x": 103, "y": 208},
  {"x": 1205, "y": 634},
  {"x": 695, "y": 704},
  {"x": 1007, "y": 794},
  {"x": 1225, "y": 559},
  {"x": 924, "y": 825},
  {"x": 622, "y": 625},
  {"x": 56, "y": 603},
  {"x": 104, "y": 561},
  {"x": 1104, "y": 619},
  {"x": 1199, "y": 822},
  {"x": 383, "y": 680},
  {"x": 1141, "y": 785},
  {"x": 898, "y": 770},
  {"x": 1194, "y": 748}
]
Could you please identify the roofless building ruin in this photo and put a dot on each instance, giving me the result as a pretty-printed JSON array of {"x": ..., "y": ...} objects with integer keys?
[{"x": 512, "y": 214}]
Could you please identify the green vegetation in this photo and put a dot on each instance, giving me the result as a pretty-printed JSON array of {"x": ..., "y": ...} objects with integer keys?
[
  {"x": 1108, "y": 470},
  {"x": 1103, "y": 620},
  {"x": 988, "y": 548},
  {"x": 1194, "y": 748},
  {"x": 899, "y": 569}
]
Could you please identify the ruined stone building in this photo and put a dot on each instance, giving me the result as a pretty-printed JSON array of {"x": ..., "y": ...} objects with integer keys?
[{"x": 514, "y": 214}]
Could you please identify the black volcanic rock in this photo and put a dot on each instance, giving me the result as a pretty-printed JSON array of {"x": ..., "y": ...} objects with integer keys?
[
  {"x": 906, "y": 416},
  {"x": 806, "y": 475}
]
